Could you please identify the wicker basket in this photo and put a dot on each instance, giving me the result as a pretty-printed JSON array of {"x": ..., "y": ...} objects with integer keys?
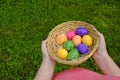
[{"x": 52, "y": 47}]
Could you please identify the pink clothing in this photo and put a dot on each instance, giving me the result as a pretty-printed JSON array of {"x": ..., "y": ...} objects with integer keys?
[{"x": 82, "y": 74}]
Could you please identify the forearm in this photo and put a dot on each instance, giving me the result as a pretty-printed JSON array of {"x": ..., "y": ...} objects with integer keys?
[
  {"x": 107, "y": 65},
  {"x": 46, "y": 71}
]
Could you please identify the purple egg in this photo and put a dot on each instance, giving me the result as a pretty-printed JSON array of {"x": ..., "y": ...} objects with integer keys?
[
  {"x": 82, "y": 48},
  {"x": 81, "y": 31}
]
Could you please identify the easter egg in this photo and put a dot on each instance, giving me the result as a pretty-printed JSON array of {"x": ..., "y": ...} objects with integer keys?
[
  {"x": 70, "y": 34},
  {"x": 81, "y": 31},
  {"x": 68, "y": 45},
  {"x": 76, "y": 40},
  {"x": 73, "y": 54},
  {"x": 61, "y": 39},
  {"x": 86, "y": 39},
  {"x": 62, "y": 53},
  {"x": 82, "y": 48}
]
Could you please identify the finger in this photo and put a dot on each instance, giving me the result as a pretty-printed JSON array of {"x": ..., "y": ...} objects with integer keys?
[
  {"x": 102, "y": 42},
  {"x": 44, "y": 41},
  {"x": 98, "y": 32},
  {"x": 100, "y": 36},
  {"x": 43, "y": 44}
]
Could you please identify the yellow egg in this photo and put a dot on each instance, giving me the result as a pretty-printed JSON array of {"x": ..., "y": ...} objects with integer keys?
[
  {"x": 76, "y": 40},
  {"x": 61, "y": 39},
  {"x": 86, "y": 39},
  {"x": 62, "y": 53}
]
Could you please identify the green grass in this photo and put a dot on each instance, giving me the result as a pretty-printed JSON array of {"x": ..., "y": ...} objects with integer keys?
[{"x": 25, "y": 23}]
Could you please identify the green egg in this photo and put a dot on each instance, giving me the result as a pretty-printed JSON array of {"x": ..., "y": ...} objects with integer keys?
[
  {"x": 68, "y": 45},
  {"x": 73, "y": 54}
]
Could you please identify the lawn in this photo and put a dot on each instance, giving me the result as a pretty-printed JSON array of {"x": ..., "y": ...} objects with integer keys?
[{"x": 25, "y": 23}]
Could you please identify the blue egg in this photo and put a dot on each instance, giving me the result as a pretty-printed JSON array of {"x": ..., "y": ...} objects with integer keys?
[
  {"x": 81, "y": 31},
  {"x": 82, "y": 48}
]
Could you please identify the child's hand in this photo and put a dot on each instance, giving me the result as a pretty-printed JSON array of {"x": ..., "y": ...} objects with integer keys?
[
  {"x": 47, "y": 66},
  {"x": 103, "y": 60},
  {"x": 45, "y": 54},
  {"x": 101, "y": 51}
]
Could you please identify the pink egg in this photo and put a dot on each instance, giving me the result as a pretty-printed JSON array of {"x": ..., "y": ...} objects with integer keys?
[{"x": 70, "y": 34}]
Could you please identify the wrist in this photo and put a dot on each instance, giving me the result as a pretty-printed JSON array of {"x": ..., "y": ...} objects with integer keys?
[
  {"x": 104, "y": 54},
  {"x": 101, "y": 55},
  {"x": 48, "y": 61}
]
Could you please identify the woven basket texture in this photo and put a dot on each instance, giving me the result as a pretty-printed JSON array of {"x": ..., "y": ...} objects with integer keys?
[{"x": 52, "y": 47}]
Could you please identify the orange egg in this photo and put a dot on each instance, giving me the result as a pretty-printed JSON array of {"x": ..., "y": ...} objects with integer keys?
[
  {"x": 61, "y": 39},
  {"x": 76, "y": 40}
]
